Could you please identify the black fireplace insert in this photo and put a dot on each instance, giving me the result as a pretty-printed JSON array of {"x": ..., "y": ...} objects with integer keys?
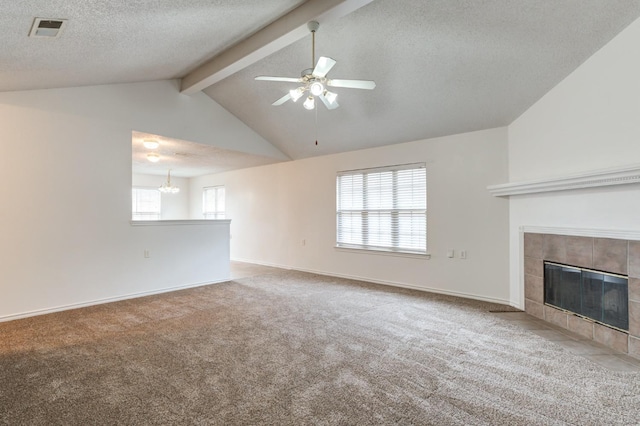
[{"x": 600, "y": 296}]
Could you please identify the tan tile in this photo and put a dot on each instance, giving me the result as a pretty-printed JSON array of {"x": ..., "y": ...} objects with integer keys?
[
  {"x": 554, "y": 248},
  {"x": 580, "y": 326},
  {"x": 634, "y": 259},
  {"x": 533, "y": 267},
  {"x": 584, "y": 347},
  {"x": 570, "y": 334},
  {"x": 611, "y": 338},
  {"x": 555, "y": 316},
  {"x": 534, "y": 288},
  {"x": 513, "y": 316},
  {"x": 634, "y": 347},
  {"x": 533, "y": 245},
  {"x": 612, "y": 362},
  {"x": 629, "y": 359},
  {"x": 610, "y": 255},
  {"x": 634, "y": 289},
  {"x": 634, "y": 318},
  {"x": 552, "y": 335},
  {"x": 579, "y": 251},
  {"x": 534, "y": 308},
  {"x": 530, "y": 324}
]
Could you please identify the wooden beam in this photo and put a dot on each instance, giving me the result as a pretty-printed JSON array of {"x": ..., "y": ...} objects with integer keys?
[{"x": 280, "y": 33}]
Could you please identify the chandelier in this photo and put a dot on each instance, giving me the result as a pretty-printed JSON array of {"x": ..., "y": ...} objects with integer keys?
[{"x": 167, "y": 188}]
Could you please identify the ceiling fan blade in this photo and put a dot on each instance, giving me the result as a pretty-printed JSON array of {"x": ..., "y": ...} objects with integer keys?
[
  {"x": 282, "y": 100},
  {"x": 285, "y": 79},
  {"x": 352, "y": 84},
  {"x": 323, "y": 66},
  {"x": 329, "y": 105}
]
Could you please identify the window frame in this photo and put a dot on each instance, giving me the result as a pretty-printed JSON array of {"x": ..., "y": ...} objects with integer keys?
[
  {"x": 146, "y": 215},
  {"x": 387, "y": 242},
  {"x": 216, "y": 214}
]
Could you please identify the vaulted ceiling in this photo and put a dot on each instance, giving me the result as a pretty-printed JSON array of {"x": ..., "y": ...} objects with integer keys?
[{"x": 442, "y": 67}]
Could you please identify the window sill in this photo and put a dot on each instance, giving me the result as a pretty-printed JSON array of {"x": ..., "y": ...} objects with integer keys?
[
  {"x": 180, "y": 222},
  {"x": 425, "y": 256}
]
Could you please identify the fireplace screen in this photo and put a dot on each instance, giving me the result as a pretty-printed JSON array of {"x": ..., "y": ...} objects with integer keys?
[{"x": 601, "y": 296}]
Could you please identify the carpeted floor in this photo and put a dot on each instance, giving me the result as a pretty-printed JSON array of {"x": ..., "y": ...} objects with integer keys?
[{"x": 293, "y": 348}]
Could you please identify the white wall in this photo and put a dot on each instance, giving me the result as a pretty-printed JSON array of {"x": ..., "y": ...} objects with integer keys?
[
  {"x": 273, "y": 208},
  {"x": 590, "y": 121},
  {"x": 173, "y": 206},
  {"x": 65, "y": 165}
]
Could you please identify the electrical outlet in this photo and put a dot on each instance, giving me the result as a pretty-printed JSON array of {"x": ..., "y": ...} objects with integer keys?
[
  {"x": 463, "y": 254},
  {"x": 146, "y": 254},
  {"x": 451, "y": 254},
  {"x": 304, "y": 242}
]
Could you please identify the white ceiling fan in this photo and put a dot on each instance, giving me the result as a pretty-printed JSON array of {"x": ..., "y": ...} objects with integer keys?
[{"x": 314, "y": 81}]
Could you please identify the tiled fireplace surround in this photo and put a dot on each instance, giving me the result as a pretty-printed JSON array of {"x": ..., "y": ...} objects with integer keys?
[{"x": 603, "y": 254}]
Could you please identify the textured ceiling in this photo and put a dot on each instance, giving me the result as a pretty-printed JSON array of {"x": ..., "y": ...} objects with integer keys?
[
  {"x": 119, "y": 41},
  {"x": 188, "y": 159},
  {"x": 441, "y": 67}
]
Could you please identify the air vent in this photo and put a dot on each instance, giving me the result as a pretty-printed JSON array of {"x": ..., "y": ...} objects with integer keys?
[{"x": 44, "y": 27}]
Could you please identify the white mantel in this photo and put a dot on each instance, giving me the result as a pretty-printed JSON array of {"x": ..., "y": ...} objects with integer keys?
[
  {"x": 620, "y": 234},
  {"x": 591, "y": 179}
]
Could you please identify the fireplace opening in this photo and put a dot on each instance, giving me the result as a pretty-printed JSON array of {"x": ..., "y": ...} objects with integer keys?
[{"x": 600, "y": 296}]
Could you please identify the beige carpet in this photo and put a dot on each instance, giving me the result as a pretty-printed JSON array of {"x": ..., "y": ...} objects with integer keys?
[{"x": 293, "y": 348}]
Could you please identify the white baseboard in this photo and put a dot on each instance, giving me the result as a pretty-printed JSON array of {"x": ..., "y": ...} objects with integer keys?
[
  {"x": 388, "y": 283},
  {"x": 105, "y": 300},
  {"x": 273, "y": 265}
]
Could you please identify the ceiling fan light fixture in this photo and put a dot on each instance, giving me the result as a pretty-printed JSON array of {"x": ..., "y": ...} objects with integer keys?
[
  {"x": 316, "y": 88},
  {"x": 153, "y": 157},
  {"x": 150, "y": 144},
  {"x": 296, "y": 93},
  {"x": 310, "y": 103},
  {"x": 330, "y": 96}
]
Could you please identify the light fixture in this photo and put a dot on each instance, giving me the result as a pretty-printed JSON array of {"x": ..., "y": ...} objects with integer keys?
[
  {"x": 167, "y": 188},
  {"x": 310, "y": 103},
  {"x": 150, "y": 144},
  {"x": 330, "y": 96},
  {"x": 316, "y": 88},
  {"x": 153, "y": 157},
  {"x": 315, "y": 80},
  {"x": 296, "y": 93}
]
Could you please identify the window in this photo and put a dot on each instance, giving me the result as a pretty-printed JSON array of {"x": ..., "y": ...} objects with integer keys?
[
  {"x": 145, "y": 204},
  {"x": 213, "y": 202},
  {"x": 383, "y": 209}
]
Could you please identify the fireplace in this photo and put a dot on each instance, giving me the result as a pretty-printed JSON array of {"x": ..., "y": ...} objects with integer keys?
[
  {"x": 600, "y": 296},
  {"x": 591, "y": 303}
]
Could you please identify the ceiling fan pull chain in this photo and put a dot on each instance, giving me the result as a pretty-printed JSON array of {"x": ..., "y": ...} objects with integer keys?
[{"x": 316, "y": 126}]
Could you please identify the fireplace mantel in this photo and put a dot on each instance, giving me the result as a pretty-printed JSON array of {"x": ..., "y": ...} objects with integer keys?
[
  {"x": 620, "y": 234},
  {"x": 591, "y": 179}
]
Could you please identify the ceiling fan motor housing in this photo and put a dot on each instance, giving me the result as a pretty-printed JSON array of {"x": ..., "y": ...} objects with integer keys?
[{"x": 313, "y": 26}]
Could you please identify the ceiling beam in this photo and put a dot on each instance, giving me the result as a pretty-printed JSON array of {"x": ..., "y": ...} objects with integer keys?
[{"x": 275, "y": 36}]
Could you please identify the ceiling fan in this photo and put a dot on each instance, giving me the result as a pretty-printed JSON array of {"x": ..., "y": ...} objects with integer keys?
[{"x": 314, "y": 81}]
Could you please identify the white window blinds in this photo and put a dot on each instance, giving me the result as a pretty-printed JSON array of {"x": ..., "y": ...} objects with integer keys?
[
  {"x": 145, "y": 204},
  {"x": 213, "y": 202},
  {"x": 383, "y": 209}
]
